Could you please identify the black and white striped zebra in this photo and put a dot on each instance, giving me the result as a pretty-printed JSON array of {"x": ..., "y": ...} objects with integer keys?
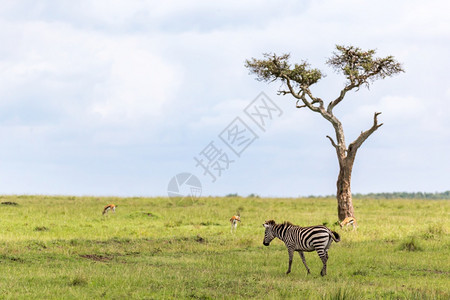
[{"x": 302, "y": 239}]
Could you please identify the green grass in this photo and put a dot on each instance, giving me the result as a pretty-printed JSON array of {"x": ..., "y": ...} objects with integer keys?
[{"x": 159, "y": 248}]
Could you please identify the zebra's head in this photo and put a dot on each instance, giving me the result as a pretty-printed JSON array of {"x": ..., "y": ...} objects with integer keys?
[{"x": 268, "y": 235}]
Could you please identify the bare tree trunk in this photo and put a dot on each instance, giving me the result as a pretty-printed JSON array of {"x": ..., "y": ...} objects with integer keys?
[{"x": 344, "y": 193}]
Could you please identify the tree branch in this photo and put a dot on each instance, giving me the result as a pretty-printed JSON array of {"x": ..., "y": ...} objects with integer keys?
[
  {"x": 332, "y": 104},
  {"x": 300, "y": 97},
  {"x": 299, "y": 106},
  {"x": 314, "y": 99},
  {"x": 284, "y": 93},
  {"x": 353, "y": 147},
  {"x": 332, "y": 142}
]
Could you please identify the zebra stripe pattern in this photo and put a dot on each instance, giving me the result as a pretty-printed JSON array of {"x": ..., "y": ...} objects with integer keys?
[{"x": 302, "y": 239}]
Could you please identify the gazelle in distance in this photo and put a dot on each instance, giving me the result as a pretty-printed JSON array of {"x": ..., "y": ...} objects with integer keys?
[
  {"x": 349, "y": 221},
  {"x": 108, "y": 208},
  {"x": 234, "y": 221}
]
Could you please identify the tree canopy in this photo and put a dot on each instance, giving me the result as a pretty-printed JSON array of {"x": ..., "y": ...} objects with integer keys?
[{"x": 360, "y": 68}]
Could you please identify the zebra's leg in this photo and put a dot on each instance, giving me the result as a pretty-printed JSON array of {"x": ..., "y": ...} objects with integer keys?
[
  {"x": 324, "y": 257},
  {"x": 302, "y": 255},
  {"x": 291, "y": 256}
]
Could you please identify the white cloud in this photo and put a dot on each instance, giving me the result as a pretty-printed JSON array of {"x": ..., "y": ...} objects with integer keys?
[
  {"x": 120, "y": 78},
  {"x": 138, "y": 84}
]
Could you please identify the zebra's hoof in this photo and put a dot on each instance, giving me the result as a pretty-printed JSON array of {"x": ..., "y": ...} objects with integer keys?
[{"x": 288, "y": 272}]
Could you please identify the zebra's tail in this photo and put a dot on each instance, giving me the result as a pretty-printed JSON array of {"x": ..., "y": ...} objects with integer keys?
[{"x": 335, "y": 236}]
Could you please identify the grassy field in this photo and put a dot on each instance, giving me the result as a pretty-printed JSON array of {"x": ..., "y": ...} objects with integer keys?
[{"x": 159, "y": 248}]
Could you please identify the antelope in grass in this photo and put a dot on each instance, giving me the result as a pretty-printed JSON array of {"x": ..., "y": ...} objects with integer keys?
[
  {"x": 348, "y": 221},
  {"x": 108, "y": 208},
  {"x": 234, "y": 221}
]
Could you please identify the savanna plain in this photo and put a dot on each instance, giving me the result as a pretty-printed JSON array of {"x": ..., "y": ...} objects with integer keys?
[{"x": 167, "y": 248}]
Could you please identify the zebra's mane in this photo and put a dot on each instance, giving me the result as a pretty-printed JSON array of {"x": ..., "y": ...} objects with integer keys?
[
  {"x": 284, "y": 224},
  {"x": 270, "y": 222}
]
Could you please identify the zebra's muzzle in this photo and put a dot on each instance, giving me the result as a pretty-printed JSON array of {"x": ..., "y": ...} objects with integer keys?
[{"x": 266, "y": 244}]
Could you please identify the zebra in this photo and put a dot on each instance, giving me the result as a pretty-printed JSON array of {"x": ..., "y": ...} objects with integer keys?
[{"x": 302, "y": 239}]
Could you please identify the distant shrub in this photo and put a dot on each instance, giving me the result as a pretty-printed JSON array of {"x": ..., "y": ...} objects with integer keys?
[
  {"x": 210, "y": 223},
  {"x": 9, "y": 203},
  {"x": 74, "y": 242},
  {"x": 360, "y": 273},
  {"x": 41, "y": 228},
  {"x": 10, "y": 258},
  {"x": 232, "y": 195},
  {"x": 404, "y": 195},
  {"x": 151, "y": 215},
  {"x": 410, "y": 244},
  {"x": 199, "y": 239},
  {"x": 253, "y": 196},
  {"x": 78, "y": 281}
]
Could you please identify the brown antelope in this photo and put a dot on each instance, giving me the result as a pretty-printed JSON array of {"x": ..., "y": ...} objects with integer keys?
[
  {"x": 348, "y": 221},
  {"x": 108, "y": 208},
  {"x": 234, "y": 220}
]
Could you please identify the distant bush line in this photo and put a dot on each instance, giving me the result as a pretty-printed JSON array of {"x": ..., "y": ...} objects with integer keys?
[
  {"x": 405, "y": 195},
  {"x": 400, "y": 195},
  {"x": 395, "y": 195}
]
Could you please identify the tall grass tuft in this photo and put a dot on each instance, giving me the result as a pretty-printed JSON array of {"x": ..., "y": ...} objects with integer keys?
[
  {"x": 78, "y": 281},
  {"x": 434, "y": 231},
  {"x": 425, "y": 295},
  {"x": 340, "y": 294},
  {"x": 410, "y": 244},
  {"x": 41, "y": 228}
]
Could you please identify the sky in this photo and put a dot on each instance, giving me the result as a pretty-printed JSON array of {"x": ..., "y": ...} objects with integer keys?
[{"x": 117, "y": 98}]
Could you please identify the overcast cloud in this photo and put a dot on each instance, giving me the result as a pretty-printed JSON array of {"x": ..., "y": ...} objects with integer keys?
[{"x": 117, "y": 97}]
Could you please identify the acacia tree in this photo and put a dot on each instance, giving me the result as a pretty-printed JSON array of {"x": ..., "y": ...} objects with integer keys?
[{"x": 360, "y": 68}]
